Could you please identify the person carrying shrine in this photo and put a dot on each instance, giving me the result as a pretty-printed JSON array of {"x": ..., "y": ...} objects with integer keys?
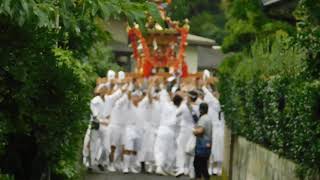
[
  {"x": 214, "y": 112},
  {"x": 188, "y": 119},
  {"x": 117, "y": 123},
  {"x": 165, "y": 145},
  {"x": 93, "y": 142},
  {"x": 133, "y": 133}
]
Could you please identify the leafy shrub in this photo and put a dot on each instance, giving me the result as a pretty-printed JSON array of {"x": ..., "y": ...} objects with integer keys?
[
  {"x": 45, "y": 80},
  {"x": 246, "y": 22},
  {"x": 269, "y": 98}
]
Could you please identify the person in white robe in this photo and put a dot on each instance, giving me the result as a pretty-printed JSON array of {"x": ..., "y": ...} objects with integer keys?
[
  {"x": 93, "y": 142},
  {"x": 110, "y": 99},
  {"x": 117, "y": 123},
  {"x": 132, "y": 138},
  {"x": 165, "y": 145},
  {"x": 151, "y": 125},
  {"x": 144, "y": 126},
  {"x": 188, "y": 110},
  {"x": 216, "y": 159}
]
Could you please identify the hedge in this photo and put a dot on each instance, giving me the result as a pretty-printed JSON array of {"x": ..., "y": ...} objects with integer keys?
[{"x": 270, "y": 98}]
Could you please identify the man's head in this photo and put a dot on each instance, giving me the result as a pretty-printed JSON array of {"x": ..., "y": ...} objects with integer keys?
[
  {"x": 203, "y": 109},
  {"x": 136, "y": 96},
  {"x": 177, "y": 100},
  {"x": 200, "y": 94},
  {"x": 192, "y": 96}
]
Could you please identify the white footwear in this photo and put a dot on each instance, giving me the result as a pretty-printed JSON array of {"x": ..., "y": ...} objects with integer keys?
[
  {"x": 192, "y": 174},
  {"x": 150, "y": 169},
  {"x": 215, "y": 171},
  {"x": 125, "y": 171},
  {"x": 210, "y": 171},
  {"x": 179, "y": 173},
  {"x": 134, "y": 171},
  {"x": 111, "y": 168},
  {"x": 126, "y": 163},
  {"x": 160, "y": 171},
  {"x": 118, "y": 166},
  {"x": 186, "y": 171}
]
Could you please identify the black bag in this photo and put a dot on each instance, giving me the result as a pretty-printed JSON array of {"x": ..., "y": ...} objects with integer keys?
[{"x": 95, "y": 125}]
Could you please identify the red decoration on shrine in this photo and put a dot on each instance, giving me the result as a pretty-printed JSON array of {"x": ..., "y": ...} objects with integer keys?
[{"x": 160, "y": 48}]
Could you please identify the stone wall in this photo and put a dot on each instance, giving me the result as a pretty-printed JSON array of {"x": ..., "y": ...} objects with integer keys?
[{"x": 253, "y": 162}]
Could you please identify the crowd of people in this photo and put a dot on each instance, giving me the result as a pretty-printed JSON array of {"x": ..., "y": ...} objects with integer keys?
[{"x": 166, "y": 126}]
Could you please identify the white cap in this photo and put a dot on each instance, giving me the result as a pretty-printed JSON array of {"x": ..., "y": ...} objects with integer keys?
[
  {"x": 136, "y": 93},
  {"x": 206, "y": 74},
  {"x": 174, "y": 89},
  {"x": 121, "y": 75},
  {"x": 171, "y": 78},
  {"x": 111, "y": 75}
]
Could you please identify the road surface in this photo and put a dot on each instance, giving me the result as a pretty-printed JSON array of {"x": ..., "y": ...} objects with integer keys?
[{"x": 120, "y": 176}]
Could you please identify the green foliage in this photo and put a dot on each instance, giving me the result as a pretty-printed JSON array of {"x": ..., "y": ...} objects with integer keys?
[
  {"x": 270, "y": 90},
  {"x": 6, "y": 177},
  {"x": 101, "y": 59},
  {"x": 206, "y": 17},
  {"x": 247, "y": 22},
  {"x": 269, "y": 97},
  {"x": 308, "y": 37},
  {"x": 50, "y": 52},
  {"x": 204, "y": 24}
]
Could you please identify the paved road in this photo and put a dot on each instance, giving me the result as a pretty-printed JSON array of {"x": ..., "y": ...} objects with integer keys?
[{"x": 119, "y": 176}]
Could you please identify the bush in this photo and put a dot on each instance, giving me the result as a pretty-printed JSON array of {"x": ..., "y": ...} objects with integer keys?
[
  {"x": 270, "y": 98},
  {"x": 246, "y": 21},
  {"x": 45, "y": 73}
]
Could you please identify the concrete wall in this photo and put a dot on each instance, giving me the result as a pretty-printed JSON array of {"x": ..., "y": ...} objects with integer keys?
[
  {"x": 192, "y": 59},
  {"x": 254, "y": 162}
]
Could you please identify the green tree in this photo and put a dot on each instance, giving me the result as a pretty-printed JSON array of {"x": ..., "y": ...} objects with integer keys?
[
  {"x": 247, "y": 22},
  {"x": 47, "y": 52},
  {"x": 206, "y": 17},
  {"x": 270, "y": 87},
  {"x": 308, "y": 38}
]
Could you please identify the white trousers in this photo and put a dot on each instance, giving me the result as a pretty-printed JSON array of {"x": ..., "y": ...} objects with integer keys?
[
  {"x": 217, "y": 150},
  {"x": 92, "y": 148},
  {"x": 147, "y": 148},
  {"x": 116, "y": 134},
  {"x": 132, "y": 138},
  {"x": 183, "y": 160},
  {"x": 164, "y": 149}
]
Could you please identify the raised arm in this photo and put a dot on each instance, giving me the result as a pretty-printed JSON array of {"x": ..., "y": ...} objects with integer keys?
[
  {"x": 210, "y": 99},
  {"x": 124, "y": 100}
]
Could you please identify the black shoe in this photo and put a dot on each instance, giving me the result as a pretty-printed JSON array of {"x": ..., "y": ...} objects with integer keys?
[
  {"x": 90, "y": 170},
  {"x": 101, "y": 168}
]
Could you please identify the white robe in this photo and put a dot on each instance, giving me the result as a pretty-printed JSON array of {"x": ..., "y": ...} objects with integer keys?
[
  {"x": 150, "y": 131},
  {"x": 118, "y": 124},
  {"x": 186, "y": 124},
  {"x": 144, "y": 126},
  {"x": 110, "y": 101},
  {"x": 217, "y": 126},
  {"x": 165, "y": 145},
  {"x": 134, "y": 128},
  {"x": 93, "y": 139}
]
